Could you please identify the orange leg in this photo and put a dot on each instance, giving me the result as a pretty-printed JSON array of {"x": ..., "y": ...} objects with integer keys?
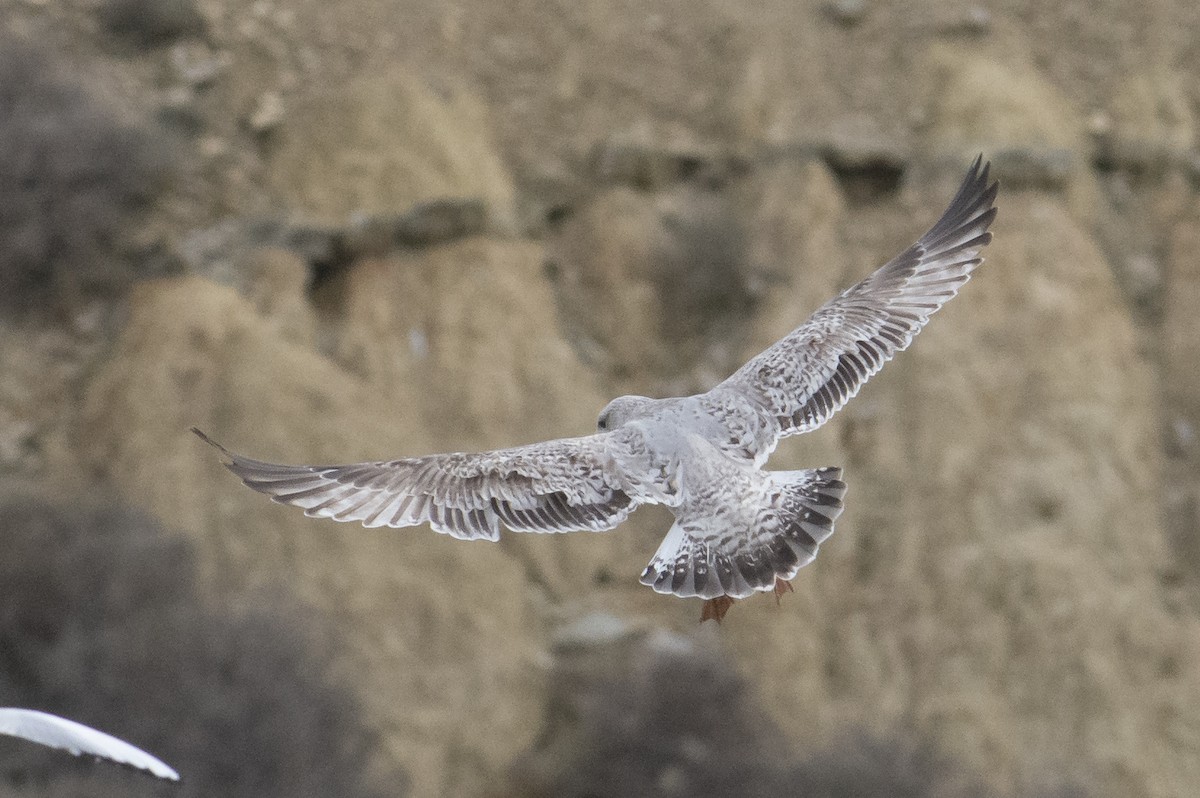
[
  {"x": 782, "y": 586},
  {"x": 715, "y": 608}
]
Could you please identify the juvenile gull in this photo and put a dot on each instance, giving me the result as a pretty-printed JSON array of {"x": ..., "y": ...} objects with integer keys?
[{"x": 738, "y": 529}]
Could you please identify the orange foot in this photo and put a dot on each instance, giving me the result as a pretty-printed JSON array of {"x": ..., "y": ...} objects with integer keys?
[
  {"x": 782, "y": 586},
  {"x": 715, "y": 608}
]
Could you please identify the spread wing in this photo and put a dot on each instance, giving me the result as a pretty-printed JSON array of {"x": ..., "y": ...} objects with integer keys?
[
  {"x": 566, "y": 485},
  {"x": 803, "y": 379},
  {"x": 56, "y": 732}
]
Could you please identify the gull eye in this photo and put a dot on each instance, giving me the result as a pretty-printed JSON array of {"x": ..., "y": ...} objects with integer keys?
[{"x": 603, "y": 422}]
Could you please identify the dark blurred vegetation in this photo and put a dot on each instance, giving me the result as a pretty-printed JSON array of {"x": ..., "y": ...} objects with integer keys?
[
  {"x": 152, "y": 22},
  {"x": 100, "y": 621},
  {"x": 74, "y": 178},
  {"x": 665, "y": 717}
]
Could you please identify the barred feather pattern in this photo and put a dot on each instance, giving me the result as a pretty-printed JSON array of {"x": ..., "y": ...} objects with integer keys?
[
  {"x": 807, "y": 376},
  {"x": 564, "y": 485},
  {"x": 746, "y": 547}
]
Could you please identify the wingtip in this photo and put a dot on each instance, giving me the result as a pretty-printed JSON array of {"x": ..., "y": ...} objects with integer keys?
[
  {"x": 199, "y": 434},
  {"x": 160, "y": 769},
  {"x": 981, "y": 170}
]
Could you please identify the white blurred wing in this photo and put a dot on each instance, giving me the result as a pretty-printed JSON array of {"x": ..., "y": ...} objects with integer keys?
[
  {"x": 56, "y": 732},
  {"x": 803, "y": 379},
  {"x": 566, "y": 485}
]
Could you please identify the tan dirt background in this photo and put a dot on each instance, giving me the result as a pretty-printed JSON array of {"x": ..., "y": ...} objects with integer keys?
[{"x": 669, "y": 186}]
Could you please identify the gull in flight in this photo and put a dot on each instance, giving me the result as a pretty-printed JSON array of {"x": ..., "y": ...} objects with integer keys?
[
  {"x": 738, "y": 528},
  {"x": 56, "y": 732}
]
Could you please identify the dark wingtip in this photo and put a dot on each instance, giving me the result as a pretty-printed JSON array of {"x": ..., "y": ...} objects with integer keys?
[
  {"x": 975, "y": 192},
  {"x": 990, "y": 194},
  {"x": 212, "y": 443},
  {"x": 978, "y": 176},
  {"x": 983, "y": 175}
]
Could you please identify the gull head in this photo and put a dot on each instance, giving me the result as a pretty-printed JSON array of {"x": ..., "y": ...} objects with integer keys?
[{"x": 622, "y": 410}]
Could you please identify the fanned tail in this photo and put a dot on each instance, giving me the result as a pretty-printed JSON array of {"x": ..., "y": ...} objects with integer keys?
[{"x": 716, "y": 556}]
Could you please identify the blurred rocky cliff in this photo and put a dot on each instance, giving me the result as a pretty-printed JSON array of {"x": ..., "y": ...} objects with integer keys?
[{"x": 344, "y": 231}]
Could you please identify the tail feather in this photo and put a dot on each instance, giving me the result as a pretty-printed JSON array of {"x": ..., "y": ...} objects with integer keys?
[{"x": 713, "y": 556}]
